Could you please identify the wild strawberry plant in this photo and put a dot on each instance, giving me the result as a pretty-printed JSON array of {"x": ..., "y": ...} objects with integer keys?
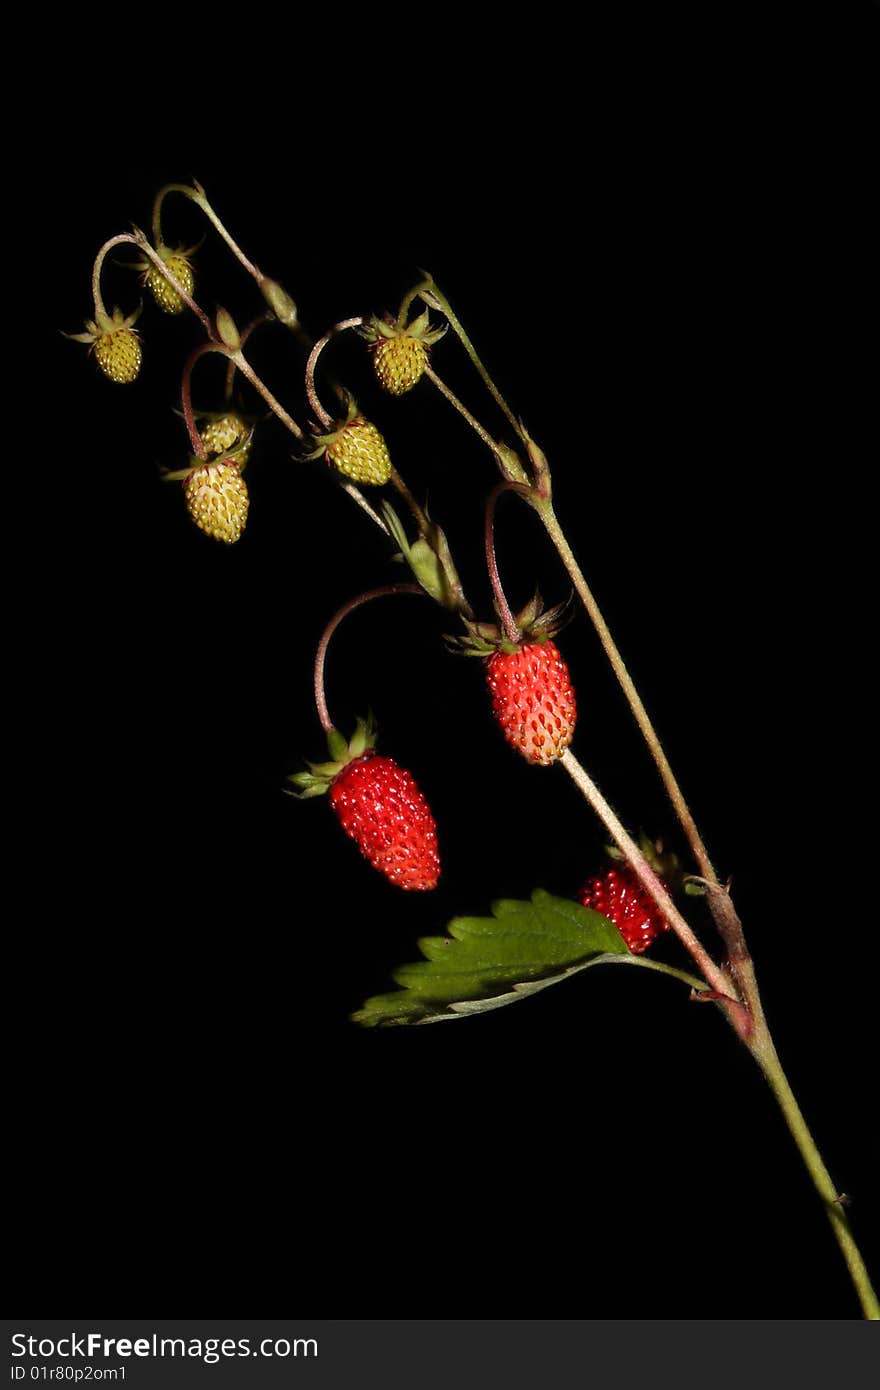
[{"x": 481, "y": 963}]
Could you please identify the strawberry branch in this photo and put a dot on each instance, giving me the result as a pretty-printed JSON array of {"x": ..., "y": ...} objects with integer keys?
[
  {"x": 732, "y": 985},
  {"x": 196, "y": 194},
  {"x": 551, "y": 525},
  {"x": 438, "y": 301},
  {"x": 719, "y": 980},
  {"x": 137, "y": 238}
]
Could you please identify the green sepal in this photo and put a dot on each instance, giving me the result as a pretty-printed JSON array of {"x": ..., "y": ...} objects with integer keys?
[
  {"x": 430, "y": 560},
  {"x": 363, "y": 737},
  {"x": 337, "y": 745},
  {"x": 317, "y": 790}
]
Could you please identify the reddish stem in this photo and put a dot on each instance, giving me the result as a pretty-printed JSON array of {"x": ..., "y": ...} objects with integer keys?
[
  {"x": 186, "y": 395},
  {"x": 508, "y": 621},
  {"x": 245, "y": 334},
  {"x": 321, "y": 655},
  {"x": 315, "y": 353}
]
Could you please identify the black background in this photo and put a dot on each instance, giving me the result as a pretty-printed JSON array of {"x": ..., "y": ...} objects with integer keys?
[{"x": 194, "y": 1117}]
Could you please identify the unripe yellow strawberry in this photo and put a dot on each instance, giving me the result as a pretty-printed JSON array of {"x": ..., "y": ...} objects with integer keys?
[
  {"x": 398, "y": 363},
  {"x": 223, "y": 433},
  {"x": 217, "y": 500},
  {"x": 400, "y": 351},
  {"x": 360, "y": 452},
  {"x": 356, "y": 449},
  {"x": 164, "y": 293},
  {"x": 119, "y": 354},
  {"x": 114, "y": 342}
]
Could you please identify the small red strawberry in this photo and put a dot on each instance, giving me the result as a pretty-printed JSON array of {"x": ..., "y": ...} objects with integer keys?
[
  {"x": 621, "y": 897},
  {"x": 533, "y": 700},
  {"x": 379, "y": 805}
]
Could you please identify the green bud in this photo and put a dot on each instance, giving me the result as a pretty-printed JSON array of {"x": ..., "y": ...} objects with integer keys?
[
  {"x": 225, "y": 325},
  {"x": 280, "y": 303},
  {"x": 337, "y": 746}
]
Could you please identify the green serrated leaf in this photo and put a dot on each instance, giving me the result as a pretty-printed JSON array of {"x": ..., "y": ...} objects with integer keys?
[{"x": 487, "y": 962}]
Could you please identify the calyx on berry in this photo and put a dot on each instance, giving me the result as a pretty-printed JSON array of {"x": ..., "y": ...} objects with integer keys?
[
  {"x": 103, "y": 325},
  {"x": 535, "y": 624},
  {"x": 665, "y": 863},
  {"x": 236, "y": 457},
  {"x": 317, "y": 781},
  {"x": 377, "y": 330},
  {"x": 355, "y": 448}
]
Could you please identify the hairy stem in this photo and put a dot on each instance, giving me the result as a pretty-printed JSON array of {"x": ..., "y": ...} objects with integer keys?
[
  {"x": 438, "y": 301},
  {"x": 196, "y": 194},
  {"x": 186, "y": 395},
  {"x": 325, "y": 419},
  {"x": 245, "y": 334},
  {"x": 321, "y": 654},
  {"x": 717, "y": 978},
  {"x": 508, "y": 621},
  {"x": 762, "y": 1049},
  {"x": 141, "y": 242},
  {"x": 274, "y": 405},
  {"x": 749, "y": 1023},
  {"x": 420, "y": 518},
  {"x": 548, "y": 517}
]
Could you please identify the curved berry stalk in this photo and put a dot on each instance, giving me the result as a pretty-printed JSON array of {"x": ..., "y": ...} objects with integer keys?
[
  {"x": 353, "y": 446},
  {"x": 275, "y": 295},
  {"x": 532, "y": 696},
  {"x": 378, "y": 803}
]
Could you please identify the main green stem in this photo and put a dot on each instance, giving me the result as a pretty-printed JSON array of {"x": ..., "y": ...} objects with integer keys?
[
  {"x": 752, "y": 1030},
  {"x": 761, "y": 1047}
]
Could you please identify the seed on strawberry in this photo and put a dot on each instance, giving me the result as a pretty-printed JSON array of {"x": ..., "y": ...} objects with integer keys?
[
  {"x": 533, "y": 700},
  {"x": 361, "y": 453},
  {"x": 399, "y": 363},
  {"x": 356, "y": 449},
  {"x": 119, "y": 355},
  {"x": 163, "y": 292},
  {"x": 217, "y": 499},
  {"x": 621, "y": 897},
  {"x": 380, "y": 806},
  {"x": 115, "y": 343},
  {"x": 400, "y": 352}
]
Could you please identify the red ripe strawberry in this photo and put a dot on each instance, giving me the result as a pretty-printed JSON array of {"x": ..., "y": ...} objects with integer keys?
[
  {"x": 533, "y": 700},
  {"x": 379, "y": 805},
  {"x": 621, "y": 897}
]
